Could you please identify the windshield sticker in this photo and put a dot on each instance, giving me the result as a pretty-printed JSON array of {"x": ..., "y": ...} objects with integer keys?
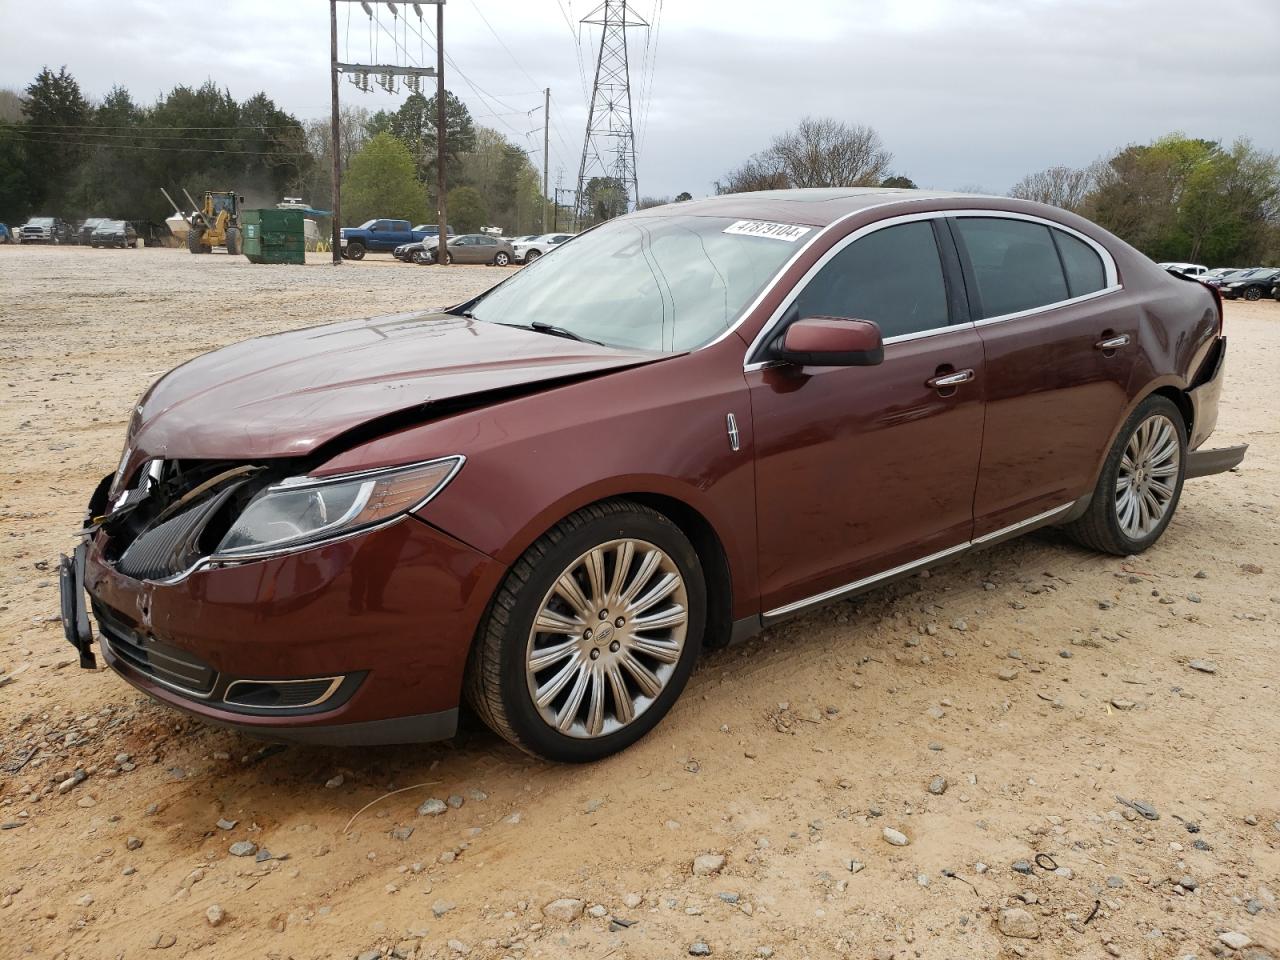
[{"x": 762, "y": 228}]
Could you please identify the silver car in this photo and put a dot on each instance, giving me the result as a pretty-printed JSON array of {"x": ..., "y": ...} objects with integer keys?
[{"x": 471, "y": 248}]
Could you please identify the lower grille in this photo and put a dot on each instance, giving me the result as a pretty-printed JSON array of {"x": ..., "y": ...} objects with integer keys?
[
  {"x": 281, "y": 694},
  {"x": 160, "y": 661}
]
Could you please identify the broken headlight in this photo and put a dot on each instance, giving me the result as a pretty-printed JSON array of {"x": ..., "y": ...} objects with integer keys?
[{"x": 304, "y": 511}]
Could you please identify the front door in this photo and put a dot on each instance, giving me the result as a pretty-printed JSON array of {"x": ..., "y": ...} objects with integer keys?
[{"x": 861, "y": 470}]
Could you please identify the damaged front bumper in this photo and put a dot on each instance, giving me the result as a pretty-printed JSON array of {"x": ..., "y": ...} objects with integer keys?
[{"x": 358, "y": 641}]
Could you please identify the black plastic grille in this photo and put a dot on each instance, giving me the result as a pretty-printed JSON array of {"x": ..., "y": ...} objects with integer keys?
[
  {"x": 170, "y": 547},
  {"x": 154, "y": 658}
]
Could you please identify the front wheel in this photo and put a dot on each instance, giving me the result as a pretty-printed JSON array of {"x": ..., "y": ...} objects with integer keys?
[
  {"x": 1140, "y": 484},
  {"x": 592, "y": 636},
  {"x": 531, "y": 256},
  {"x": 355, "y": 251},
  {"x": 233, "y": 241}
]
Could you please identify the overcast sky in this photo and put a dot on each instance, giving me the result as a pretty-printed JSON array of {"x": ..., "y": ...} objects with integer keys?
[{"x": 965, "y": 93}]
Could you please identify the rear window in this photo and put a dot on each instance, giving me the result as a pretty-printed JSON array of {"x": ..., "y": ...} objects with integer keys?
[
  {"x": 1015, "y": 263},
  {"x": 1083, "y": 266}
]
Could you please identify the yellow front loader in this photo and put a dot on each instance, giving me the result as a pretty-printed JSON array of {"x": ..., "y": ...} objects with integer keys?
[{"x": 215, "y": 223}]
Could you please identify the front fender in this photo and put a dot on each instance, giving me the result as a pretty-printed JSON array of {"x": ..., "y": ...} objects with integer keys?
[{"x": 658, "y": 430}]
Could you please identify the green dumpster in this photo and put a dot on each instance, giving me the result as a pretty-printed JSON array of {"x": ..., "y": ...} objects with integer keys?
[{"x": 273, "y": 236}]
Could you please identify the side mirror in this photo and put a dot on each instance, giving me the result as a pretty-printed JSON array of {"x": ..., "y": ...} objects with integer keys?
[{"x": 832, "y": 342}]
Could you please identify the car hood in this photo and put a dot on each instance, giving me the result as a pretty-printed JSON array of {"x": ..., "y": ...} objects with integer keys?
[{"x": 288, "y": 394}]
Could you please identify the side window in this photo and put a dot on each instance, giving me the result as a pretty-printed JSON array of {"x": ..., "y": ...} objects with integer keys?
[
  {"x": 892, "y": 277},
  {"x": 1085, "y": 273},
  {"x": 1015, "y": 263}
]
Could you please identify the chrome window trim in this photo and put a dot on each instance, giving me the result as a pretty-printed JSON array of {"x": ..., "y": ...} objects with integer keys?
[
  {"x": 910, "y": 565},
  {"x": 1050, "y": 306},
  {"x": 1110, "y": 273},
  {"x": 334, "y": 683}
]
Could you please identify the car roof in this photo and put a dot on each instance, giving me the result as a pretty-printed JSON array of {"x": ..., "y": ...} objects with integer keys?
[{"x": 816, "y": 206}]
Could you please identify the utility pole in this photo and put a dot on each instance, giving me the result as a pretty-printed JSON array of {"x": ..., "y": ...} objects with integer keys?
[
  {"x": 442, "y": 205},
  {"x": 387, "y": 73},
  {"x": 609, "y": 127},
  {"x": 335, "y": 239},
  {"x": 546, "y": 154}
]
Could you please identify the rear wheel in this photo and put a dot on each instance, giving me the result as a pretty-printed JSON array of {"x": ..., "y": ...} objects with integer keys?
[
  {"x": 1140, "y": 484},
  {"x": 501, "y": 259},
  {"x": 1253, "y": 293},
  {"x": 233, "y": 241},
  {"x": 592, "y": 636}
]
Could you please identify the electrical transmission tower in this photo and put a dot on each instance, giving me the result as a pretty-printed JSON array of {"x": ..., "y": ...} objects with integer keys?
[{"x": 609, "y": 149}]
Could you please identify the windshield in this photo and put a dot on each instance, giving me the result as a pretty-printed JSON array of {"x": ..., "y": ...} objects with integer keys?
[
  {"x": 106, "y": 226},
  {"x": 41, "y": 221},
  {"x": 654, "y": 283},
  {"x": 366, "y": 225}
]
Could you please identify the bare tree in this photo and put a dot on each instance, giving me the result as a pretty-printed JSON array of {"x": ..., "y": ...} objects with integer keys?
[
  {"x": 823, "y": 152},
  {"x": 819, "y": 152},
  {"x": 10, "y": 106},
  {"x": 761, "y": 172},
  {"x": 1065, "y": 187}
]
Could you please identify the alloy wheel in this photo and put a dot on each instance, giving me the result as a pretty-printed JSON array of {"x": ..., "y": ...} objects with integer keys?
[
  {"x": 607, "y": 638},
  {"x": 1148, "y": 476}
]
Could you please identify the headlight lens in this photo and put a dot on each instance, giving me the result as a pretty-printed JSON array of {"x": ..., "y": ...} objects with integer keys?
[{"x": 304, "y": 511}]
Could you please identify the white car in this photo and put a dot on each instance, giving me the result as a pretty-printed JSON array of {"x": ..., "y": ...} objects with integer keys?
[
  {"x": 528, "y": 251},
  {"x": 1186, "y": 269}
]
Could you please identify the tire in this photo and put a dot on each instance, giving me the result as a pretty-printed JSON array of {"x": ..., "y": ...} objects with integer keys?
[
  {"x": 531, "y": 256},
  {"x": 500, "y": 684},
  {"x": 1107, "y": 526},
  {"x": 193, "y": 240},
  {"x": 501, "y": 259},
  {"x": 355, "y": 251},
  {"x": 233, "y": 241},
  {"x": 1253, "y": 293},
  {"x": 422, "y": 258}
]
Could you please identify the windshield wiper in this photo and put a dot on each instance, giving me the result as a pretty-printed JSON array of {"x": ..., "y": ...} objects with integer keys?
[{"x": 565, "y": 332}]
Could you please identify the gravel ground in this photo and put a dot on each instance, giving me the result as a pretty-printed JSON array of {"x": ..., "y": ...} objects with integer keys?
[{"x": 873, "y": 780}]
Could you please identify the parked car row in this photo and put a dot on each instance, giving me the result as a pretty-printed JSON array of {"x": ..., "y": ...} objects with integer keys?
[
  {"x": 419, "y": 244},
  {"x": 93, "y": 232},
  {"x": 1250, "y": 283},
  {"x": 485, "y": 248},
  {"x": 384, "y": 236}
]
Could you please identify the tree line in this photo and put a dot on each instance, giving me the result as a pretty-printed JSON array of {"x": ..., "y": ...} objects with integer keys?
[
  {"x": 62, "y": 154},
  {"x": 1176, "y": 199}
]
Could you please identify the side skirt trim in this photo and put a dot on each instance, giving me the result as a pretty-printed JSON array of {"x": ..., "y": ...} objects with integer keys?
[{"x": 858, "y": 586}]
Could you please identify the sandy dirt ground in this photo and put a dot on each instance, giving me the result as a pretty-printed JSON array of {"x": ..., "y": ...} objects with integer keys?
[{"x": 785, "y": 760}]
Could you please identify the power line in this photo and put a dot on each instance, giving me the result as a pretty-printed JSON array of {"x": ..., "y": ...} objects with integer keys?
[
  {"x": 147, "y": 126},
  {"x": 138, "y": 146},
  {"x": 485, "y": 19},
  {"x": 653, "y": 64},
  {"x": 577, "y": 50}
]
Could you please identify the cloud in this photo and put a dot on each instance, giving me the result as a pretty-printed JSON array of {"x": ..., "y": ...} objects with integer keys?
[{"x": 961, "y": 92}]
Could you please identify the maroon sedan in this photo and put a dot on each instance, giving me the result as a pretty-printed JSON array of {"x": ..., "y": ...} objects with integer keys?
[{"x": 689, "y": 424}]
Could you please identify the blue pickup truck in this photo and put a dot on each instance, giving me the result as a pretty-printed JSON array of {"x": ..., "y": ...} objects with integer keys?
[{"x": 379, "y": 235}]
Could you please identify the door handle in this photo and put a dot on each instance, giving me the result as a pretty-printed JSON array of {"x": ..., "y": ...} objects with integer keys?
[
  {"x": 949, "y": 379},
  {"x": 1113, "y": 343}
]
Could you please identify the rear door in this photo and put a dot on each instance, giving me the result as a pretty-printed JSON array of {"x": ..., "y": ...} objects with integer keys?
[{"x": 1059, "y": 354}]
